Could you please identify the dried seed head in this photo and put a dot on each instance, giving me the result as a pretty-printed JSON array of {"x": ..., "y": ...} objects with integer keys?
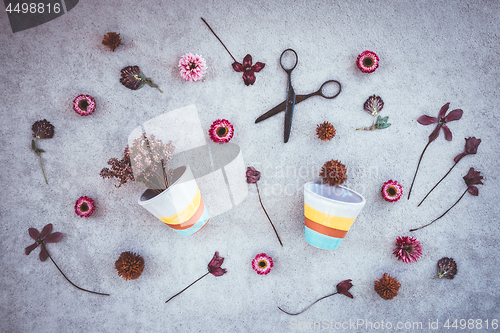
[
  {"x": 333, "y": 172},
  {"x": 130, "y": 265},
  {"x": 325, "y": 131},
  {"x": 112, "y": 40},
  {"x": 387, "y": 286}
]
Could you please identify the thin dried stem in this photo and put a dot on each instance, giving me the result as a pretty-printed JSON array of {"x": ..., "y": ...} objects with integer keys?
[
  {"x": 180, "y": 292},
  {"x": 294, "y": 314},
  {"x": 437, "y": 184},
  {"x": 441, "y": 215},
  {"x": 275, "y": 231},
  {"x": 74, "y": 285},
  {"x": 218, "y": 39},
  {"x": 418, "y": 165},
  {"x": 40, "y": 157}
]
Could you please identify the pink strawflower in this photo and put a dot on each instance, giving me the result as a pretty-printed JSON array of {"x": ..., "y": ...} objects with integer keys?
[
  {"x": 221, "y": 131},
  {"x": 408, "y": 249},
  {"x": 84, "y": 105},
  {"x": 367, "y": 61},
  {"x": 262, "y": 264},
  {"x": 84, "y": 206},
  {"x": 392, "y": 191},
  {"x": 192, "y": 67}
]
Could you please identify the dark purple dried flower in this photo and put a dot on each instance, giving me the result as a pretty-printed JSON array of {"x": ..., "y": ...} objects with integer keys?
[
  {"x": 248, "y": 70},
  {"x": 133, "y": 78},
  {"x": 471, "y": 145},
  {"x": 342, "y": 288},
  {"x": 120, "y": 169},
  {"x": 213, "y": 268},
  {"x": 446, "y": 268},
  {"x": 43, "y": 129},
  {"x": 373, "y": 105},
  {"x": 252, "y": 175}
]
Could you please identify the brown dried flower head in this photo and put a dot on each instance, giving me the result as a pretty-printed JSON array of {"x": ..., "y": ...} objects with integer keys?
[
  {"x": 130, "y": 265},
  {"x": 387, "y": 286},
  {"x": 112, "y": 40},
  {"x": 120, "y": 169},
  {"x": 43, "y": 129},
  {"x": 325, "y": 131},
  {"x": 446, "y": 268},
  {"x": 333, "y": 172}
]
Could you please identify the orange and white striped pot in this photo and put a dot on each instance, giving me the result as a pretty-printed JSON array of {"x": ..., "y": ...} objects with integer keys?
[
  {"x": 180, "y": 206},
  {"x": 329, "y": 213}
]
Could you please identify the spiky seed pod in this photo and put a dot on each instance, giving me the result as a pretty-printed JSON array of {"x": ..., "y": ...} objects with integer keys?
[
  {"x": 387, "y": 286},
  {"x": 42, "y": 129},
  {"x": 373, "y": 105},
  {"x": 446, "y": 268},
  {"x": 112, "y": 40},
  {"x": 333, "y": 172},
  {"x": 325, "y": 131},
  {"x": 130, "y": 265}
]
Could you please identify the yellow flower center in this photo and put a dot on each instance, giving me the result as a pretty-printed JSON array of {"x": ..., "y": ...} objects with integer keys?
[
  {"x": 83, "y": 104},
  {"x": 368, "y": 62},
  {"x": 84, "y": 207},
  {"x": 222, "y": 131},
  {"x": 263, "y": 264},
  {"x": 391, "y": 191}
]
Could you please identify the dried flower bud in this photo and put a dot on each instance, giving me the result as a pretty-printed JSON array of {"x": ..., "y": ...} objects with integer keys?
[{"x": 112, "y": 40}]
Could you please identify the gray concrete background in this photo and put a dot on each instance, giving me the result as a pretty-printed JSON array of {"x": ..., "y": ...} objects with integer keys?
[{"x": 431, "y": 52}]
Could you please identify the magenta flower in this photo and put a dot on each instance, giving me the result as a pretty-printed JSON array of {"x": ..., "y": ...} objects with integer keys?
[
  {"x": 248, "y": 70},
  {"x": 84, "y": 105},
  {"x": 221, "y": 131},
  {"x": 213, "y": 268},
  {"x": 47, "y": 237},
  {"x": 471, "y": 179},
  {"x": 471, "y": 145},
  {"x": 192, "y": 67},
  {"x": 262, "y": 264},
  {"x": 367, "y": 61},
  {"x": 252, "y": 177},
  {"x": 342, "y": 288},
  {"x": 442, "y": 119},
  {"x": 84, "y": 206},
  {"x": 392, "y": 191},
  {"x": 408, "y": 249}
]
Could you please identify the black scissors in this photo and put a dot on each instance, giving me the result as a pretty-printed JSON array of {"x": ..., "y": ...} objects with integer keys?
[{"x": 292, "y": 99}]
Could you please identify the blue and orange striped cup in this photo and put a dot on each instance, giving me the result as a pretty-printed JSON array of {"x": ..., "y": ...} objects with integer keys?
[
  {"x": 329, "y": 213},
  {"x": 180, "y": 206}
]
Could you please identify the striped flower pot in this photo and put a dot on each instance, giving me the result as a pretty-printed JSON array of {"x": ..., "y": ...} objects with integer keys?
[
  {"x": 329, "y": 213},
  {"x": 180, "y": 206}
]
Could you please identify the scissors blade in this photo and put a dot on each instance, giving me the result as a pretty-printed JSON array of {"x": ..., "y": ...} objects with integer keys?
[
  {"x": 290, "y": 103},
  {"x": 277, "y": 109}
]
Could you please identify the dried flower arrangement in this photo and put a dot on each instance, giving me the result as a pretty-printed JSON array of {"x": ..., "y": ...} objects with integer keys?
[
  {"x": 373, "y": 105},
  {"x": 252, "y": 177},
  {"x": 325, "y": 131},
  {"x": 192, "y": 67},
  {"x": 342, "y": 288},
  {"x": 213, "y": 268},
  {"x": 367, "y": 61},
  {"x": 333, "y": 172},
  {"x": 262, "y": 264},
  {"x": 146, "y": 161},
  {"x": 471, "y": 145},
  {"x": 129, "y": 265},
  {"x": 387, "y": 286},
  {"x": 133, "y": 78},
  {"x": 446, "y": 268},
  {"x": 46, "y": 236},
  {"x": 442, "y": 119},
  {"x": 245, "y": 67},
  {"x": 112, "y": 40},
  {"x": 472, "y": 178},
  {"x": 42, "y": 129}
]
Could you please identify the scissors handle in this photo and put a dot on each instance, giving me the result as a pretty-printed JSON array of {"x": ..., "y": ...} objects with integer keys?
[
  {"x": 289, "y": 70},
  {"x": 320, "y": 92}
]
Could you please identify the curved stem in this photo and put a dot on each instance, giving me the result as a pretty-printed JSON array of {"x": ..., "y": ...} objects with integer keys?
[
  {"x": 180, "y": 292},
  {"x": 294, "y": 314},
  {"x": 218, "y": 39},
  {"x": 74, "y": 285},
  {"x": 276, "y": 232},
  {"x": 40, "y": 157},
  {"x": 437, "y": 184},
  {"x": 443, "y": 213},
  {"x": 420, "y": 160}
]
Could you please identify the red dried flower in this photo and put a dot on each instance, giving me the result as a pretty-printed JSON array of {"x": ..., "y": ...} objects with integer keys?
[
  {"x": 129, "y": 265},
  {"x": 325, "y": 131},
  {"x": 367, "y": 61},
  {"x": 333, "y": 172},
  {"x": 112, "y": 40},
  {"x": 84, "y": 206},
  {"x": 387, "y": 286},
  {"x": 408, "y": 249}
]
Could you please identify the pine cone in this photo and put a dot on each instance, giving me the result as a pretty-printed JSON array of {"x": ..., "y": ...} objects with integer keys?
[{"x": 112, "y": 39}]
